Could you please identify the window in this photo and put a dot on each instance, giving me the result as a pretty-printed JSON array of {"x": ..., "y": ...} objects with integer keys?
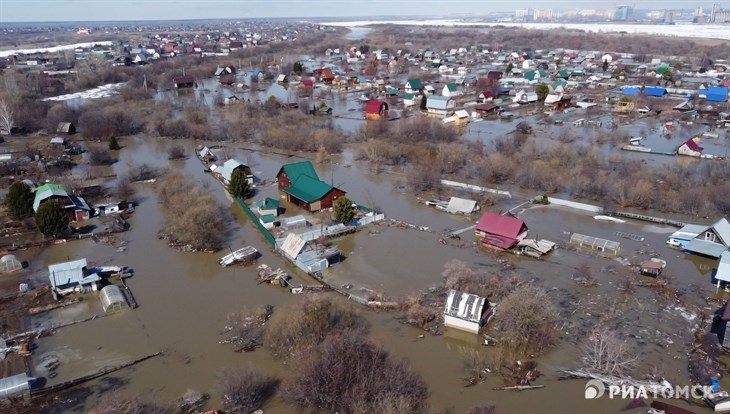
[{"x": 710, "y": 236}]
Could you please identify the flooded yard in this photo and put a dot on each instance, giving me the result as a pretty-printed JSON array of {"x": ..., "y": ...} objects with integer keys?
[{"x": 184, "y": 297}]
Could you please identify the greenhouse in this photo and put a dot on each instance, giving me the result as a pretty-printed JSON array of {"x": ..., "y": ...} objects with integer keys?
[
  {"x": 595, "y": 243},
  {"x": 9, "y": 263},
  {"x": 112, "y": 299}
]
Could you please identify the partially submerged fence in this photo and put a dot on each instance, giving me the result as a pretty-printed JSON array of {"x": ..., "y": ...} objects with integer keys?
[{"x": 267, "y": 235}]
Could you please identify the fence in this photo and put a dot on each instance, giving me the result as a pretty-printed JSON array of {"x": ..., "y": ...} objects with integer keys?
[{"x": 267, "y": 235}]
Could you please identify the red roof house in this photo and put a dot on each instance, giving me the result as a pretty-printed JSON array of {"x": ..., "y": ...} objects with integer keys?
[
  {"x": 375, "y": 109},
  {"x": 327, "y": 76},
  {"x": 690, "y": 148},
  {"x": 502, "y": 232}
]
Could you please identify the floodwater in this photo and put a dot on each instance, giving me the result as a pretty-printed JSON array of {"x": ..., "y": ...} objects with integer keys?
[{"x": 184, "y": 297}]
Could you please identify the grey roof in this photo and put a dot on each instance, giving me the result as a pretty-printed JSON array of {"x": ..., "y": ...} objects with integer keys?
[
  {"x": 688, "y": 232},
  {"x": 204, "y": 152},
  {"x": 723, "y": 270},
  {"x": 70, "y": 273},
  {"x": 705, "y": 248},
  {"x": 722, "y": 228},
  {"x": 464, "y": 306},
  {"x": 461, "y": 205},
  {"x": 226, "y": 170},
  {"x": 438, "y": 102}
]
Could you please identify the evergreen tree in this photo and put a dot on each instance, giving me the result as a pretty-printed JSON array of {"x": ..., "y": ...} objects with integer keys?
[
  {"x": 605, "y": 65},
  {"x": 19, "y": 201},
  {"x": 423, "y": 103},
  {"x": 344, "y": 211},
  {"x": 113, "y": 144},
  {"x": 239, "y": 186},
  {"x": 542, "y": 91},
  {"x": 297, "y": 68},
  {"x": 50, "y": 219},
  {"x": 509, "y": 68}
]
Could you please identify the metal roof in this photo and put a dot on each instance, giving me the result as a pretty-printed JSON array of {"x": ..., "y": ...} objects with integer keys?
[
  {"x": 45, "y": 191},
  {"x": 723, "y": 270},
  {"x": 292, "y": 245},
  {"x": 461, "y": 205},
  {"x": 705, "y": 248},
  {"x": 70, "y": 273},
  {"x": 438, "y": 102},
  {"x": 722, "y": 229},
  {"x": 464, "y": 306},
  {"x": 308, "y": 189},
  {"x": 501, "y": 225},
  {"x": 267, "y": 204},
  {"x": 688, "y": 232},
  {"x": 226, "y": 170},
  {"x": 294, "y": 170}
]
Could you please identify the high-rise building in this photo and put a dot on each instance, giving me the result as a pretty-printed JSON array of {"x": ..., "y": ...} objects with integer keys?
[{"x": 623, "y": 13}]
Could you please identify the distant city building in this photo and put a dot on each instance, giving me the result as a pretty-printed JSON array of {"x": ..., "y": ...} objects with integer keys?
[
  {"x": 719, "y": 15},
  {"x": 543, "y": 15},
  {"x": 699, "y": 12},
  {"x": 623, "y": 13},
  {"x": 524, "y": 15}
]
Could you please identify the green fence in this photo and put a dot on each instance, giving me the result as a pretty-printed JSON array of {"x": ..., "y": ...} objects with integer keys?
[{"x": 267, "y": 235}]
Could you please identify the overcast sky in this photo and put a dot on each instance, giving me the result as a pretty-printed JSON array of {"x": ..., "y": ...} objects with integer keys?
[{"x": 99, "y": 10}]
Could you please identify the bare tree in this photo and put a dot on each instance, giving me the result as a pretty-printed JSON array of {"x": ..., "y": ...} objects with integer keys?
[
  {"x": 114, "y": 403},
  {"x": 606, "y": 353},
  {"x": 245, "y": 390},
  {"x": 7, "y": 122}
]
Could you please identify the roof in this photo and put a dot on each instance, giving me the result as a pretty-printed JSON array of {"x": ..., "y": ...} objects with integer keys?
[
  {"x": 651, "y": 264},
  {"x": 500, "y": 225},
  {"x": 226, "y": 171},
  {"x": 57, "y": 140},
  {"x": 485, "y": 107},
  {"x": 705, "y": 248},
  {"x": 294, "y": 170},
  {"x": 688, "y": 232},
  {"x": 723, "y": 271},
  {"x": 308, "y": 189},
  {"x": 451, "y": 87},
  {"x": 722, "y": 229},
  {"x": 15, "y": 385},
  {"x": 110, "y": 295},
  {"x": 461, "y": 205},
  {"x": 292, "y": 245},
  {"x": 438, "y": 102},
  {"x": 70, "y": 273},
  {"x": 414, "y": 83},
  {"x": 652, "y": 91},
  {"x": 374, "y": 107},
  {"x": 631, "y": 91},
  {"x": 45, "y": 191},
  {"x": 268, "y": 218},
  {"x": 183, "y": 80},
  {"x": 692, "y": 145},
  {"x": 716, "y": 94},
  {"x": 268, "y": 204},
  {"x": 464, "y": 306},
  {"x": 408, "y": 97},
  {"x": 542, "y": 246}
]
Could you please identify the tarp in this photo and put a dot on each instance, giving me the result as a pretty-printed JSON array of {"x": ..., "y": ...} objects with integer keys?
[{"x": 631, "y": 91}]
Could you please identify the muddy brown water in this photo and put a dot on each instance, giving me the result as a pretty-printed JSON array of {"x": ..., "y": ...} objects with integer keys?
[{"x": 184, "y": 297}]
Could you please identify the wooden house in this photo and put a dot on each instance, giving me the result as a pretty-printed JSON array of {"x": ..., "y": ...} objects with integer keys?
[
  {"x": 180, "y": 82},
  {"x": 501, "y": 232},
  {"x": 439, "y": 105},
  {"x": 375, "y": 110},
  {"x": 74, "y": 207},
  {"x": 712, "y": 242},
  {"x": 302, "y": 187},
  {"x": 690, "y": 148}
]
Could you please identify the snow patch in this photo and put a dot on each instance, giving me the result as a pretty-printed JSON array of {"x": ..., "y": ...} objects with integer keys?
[{"x": 103, "y": 91}]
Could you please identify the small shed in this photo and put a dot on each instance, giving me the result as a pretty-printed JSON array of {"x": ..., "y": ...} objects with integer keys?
[
  {"x": 112, "y": 299},
  {"x": 268, "y": 221},
  {"x": 66, "y": 128},
  {"x": 466, "y": 312},
  {"x": 268, "y": 206},
  {"x": 9, "y": 263},
  {"x": 651, "y": 268}
]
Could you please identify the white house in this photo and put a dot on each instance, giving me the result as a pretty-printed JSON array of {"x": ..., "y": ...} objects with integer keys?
[
  {"x": 409, "y": 99},
  {"x": 226, "y": 170},
  {"x": 466, "y": 312},
  {"x": 525, "y": 97},
  {"x": 713, "y": 241},
  {"x": 73, "y": 276},
  {"x": 450, "y": 89},
  {"x": 439, "y": 105},
  {"x": 413, "y": 86}
]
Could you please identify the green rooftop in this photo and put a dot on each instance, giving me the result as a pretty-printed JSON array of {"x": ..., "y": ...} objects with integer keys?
[
  {"x": 268, "y": 218},
  {"x": 297, "y": 169},
  {"x": 268, "y": 204},
  {"x": 308, "y": 189},
  {"x": 451, "y": 87},
  {"x": 414, "y": 83}
]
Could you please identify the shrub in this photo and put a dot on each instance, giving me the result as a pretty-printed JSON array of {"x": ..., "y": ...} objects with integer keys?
[
  {"x": 245, "y": 390},
  {"x": 303, "y": 325},
  {"x": 527, "y": 322},
  {"x": 347, "y": 374},
  {"x": 176, "y": 152},
  {"x": 113, "y": 403},
  {"x": 100, "y": 156},
  {"x": 113, "y": 144}
]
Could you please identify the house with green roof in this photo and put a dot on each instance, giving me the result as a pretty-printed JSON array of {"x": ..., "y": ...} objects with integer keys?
[
  {"x": 74, "y": 207},
  {"x": 450, "y": 90},
  {"x": 302, "y": 187},
  {"x": 268, "y": 206},
  {"x": 413, "y": 86}
]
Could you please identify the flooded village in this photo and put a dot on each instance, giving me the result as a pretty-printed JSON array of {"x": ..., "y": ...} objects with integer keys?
[{"x": 278, "y": 217}]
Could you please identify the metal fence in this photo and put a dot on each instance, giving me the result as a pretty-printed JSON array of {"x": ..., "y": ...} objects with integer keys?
[{"x": 267, "y": 235}]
